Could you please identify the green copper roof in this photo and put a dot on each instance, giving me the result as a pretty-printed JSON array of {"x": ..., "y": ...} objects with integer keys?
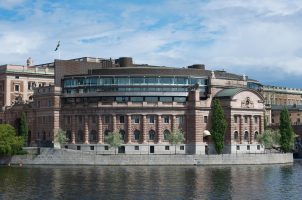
[{"x": 229, "y": 92}]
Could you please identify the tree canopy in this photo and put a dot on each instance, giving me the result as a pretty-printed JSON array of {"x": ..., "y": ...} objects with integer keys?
[
  {"x": 176, "y": 137},
  {"x": 60, "y": 136},
  {"x": 219, "y": 126},
  {"x": 286, "y": 131},
  {"x": 10, "y": 143},
  {"x": 114, "y": 139},
  {"x": 269, "y": 138}
]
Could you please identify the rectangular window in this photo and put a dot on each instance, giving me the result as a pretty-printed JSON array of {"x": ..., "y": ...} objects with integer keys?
[
  {"x": 106, "y": 148},
  {"x": 136, "y": 119},
  {"x": 17, "y": 88},
  {"x": 137, "y": 99},
  {"x": 122, "y": 119},
  {"x": 205, "y": 119},
  {"x": 151, "y": 99},
  {"x": 180, "y": 119},
  {"x": 78, "y": 147},
  {"x": 122, "y": 99},
  {"x": 248, "y": 147},
  {"x": 167, "y": 147},
  {"x": 66, "y": 147},
  {"x": 256, "y": 119},
  {"x": 107, "y": 119},
  {"x": 258, "y": 147},
  {"x": 151, "y": 119},
  {"x": 245, "y": 119},
  {"x": 180, "y": 99},
  {"x": 165, "y": 99},
  {"x": 182, "y": 147},
  {"x": 49, "y": 103},
  {"x": 235, "y": 119},
  {"x": 166, "y": 119},
  {"x": 238, "y": 147},
  {"x": 136, "y": 148},
  {"x": 92, "y": 148}
]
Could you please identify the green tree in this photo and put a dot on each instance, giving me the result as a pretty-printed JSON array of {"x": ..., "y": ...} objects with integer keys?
[
  {"x": 269, "y": 138},
  {"x": 287, "y": 134},
  {"x": 114, "y": 139},
  {"x": 23, "y": 129},
  {"x": 10, "y": 143},
  {"x": 60, "y": 137},
  {"x": 219, "y": 126},
  {"x": 176, "y": 137}
]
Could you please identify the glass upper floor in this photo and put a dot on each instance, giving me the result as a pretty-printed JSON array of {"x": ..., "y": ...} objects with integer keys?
[{"x": 135, "y": 81}]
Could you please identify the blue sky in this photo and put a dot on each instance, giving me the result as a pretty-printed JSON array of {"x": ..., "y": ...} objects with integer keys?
[{"x": 261, "y": 39}]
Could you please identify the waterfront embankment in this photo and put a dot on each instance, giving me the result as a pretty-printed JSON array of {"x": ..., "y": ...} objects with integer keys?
[{"x": 50, "y": 156}]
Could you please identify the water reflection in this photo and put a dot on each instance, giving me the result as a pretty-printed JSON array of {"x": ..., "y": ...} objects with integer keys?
[{"x": 155, "y": 182}]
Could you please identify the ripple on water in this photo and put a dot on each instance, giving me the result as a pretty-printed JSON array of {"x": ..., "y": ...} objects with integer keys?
[{"x": 152, "y": 182}]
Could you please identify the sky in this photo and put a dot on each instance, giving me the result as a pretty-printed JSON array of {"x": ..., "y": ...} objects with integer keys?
[{"x": 261, "y": 39}]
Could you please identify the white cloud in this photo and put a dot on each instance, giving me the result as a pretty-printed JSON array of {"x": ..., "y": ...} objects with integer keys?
[
  {"x": 239, "y": 36},
  {"x": 10, "y": 4}
]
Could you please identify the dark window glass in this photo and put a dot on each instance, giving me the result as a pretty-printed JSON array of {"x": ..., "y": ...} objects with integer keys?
[
  {"x": 167, "y": 147},
  {"x": 166, "y": 80},
  {"x": 122, "y": 119},
  {"x": 151, "y": 99},
  {"x": 136, "y": 148},
  {"x": 137, "y": 99},
  {"x": 151, "y": 135},
  {"x": 151, "y": 80},
  {"x": 136, "y": 135},
  {"x": 180, "y": 99},
  {"x": 137, "y": 80},
  {"x": 165, "y": 99}
]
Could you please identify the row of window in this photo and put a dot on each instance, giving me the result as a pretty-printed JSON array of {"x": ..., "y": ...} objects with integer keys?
[
  {"x": 246, "y": 119},
  {"x": 122, "y": 119},
  {"x": 129, "y": 89},
  {"x": 245, "y": 136},
  {"x": 137, "y": 135},
  {"x": 93, "y": 81},
  {"x": 125, "y": 99},
  {"x": 247, "y": 147},
  {"x": 136, "y": 148}
]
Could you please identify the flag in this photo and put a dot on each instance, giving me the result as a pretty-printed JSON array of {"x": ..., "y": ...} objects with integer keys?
[{"x": 58, "y": 45}]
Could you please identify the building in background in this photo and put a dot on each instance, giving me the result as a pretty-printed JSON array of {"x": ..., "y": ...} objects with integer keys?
[{"x": 92, "y": 97}]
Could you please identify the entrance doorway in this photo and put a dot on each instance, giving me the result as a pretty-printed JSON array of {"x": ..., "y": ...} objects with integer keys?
[
  {"x": 151, "y": 149},
  {"x": 121, "y": 149}
]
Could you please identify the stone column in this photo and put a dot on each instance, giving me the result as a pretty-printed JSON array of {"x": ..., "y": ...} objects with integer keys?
[
  {"x": 86, "y": 133},
  {"x": 100, "y": 130},
  {"x": 129, "y": 129},
  {"x": 73, "y": 129},
  {"x": 159, "y": 132},
  {"x": 252, "y": 129},
  {"x": 174, "y": 123},
  {"x": 241, "y": 130},
  {"x": 113, "y": 123},
  {"x": 261, "y": 123},
  {"x": 144, "y": 129}
]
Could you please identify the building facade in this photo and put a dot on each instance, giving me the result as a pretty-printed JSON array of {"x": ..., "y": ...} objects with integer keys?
[{"x": 92, "y": 97}]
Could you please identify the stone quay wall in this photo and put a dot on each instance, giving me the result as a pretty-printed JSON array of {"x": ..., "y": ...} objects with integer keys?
[{"x": 50, "y": 156}]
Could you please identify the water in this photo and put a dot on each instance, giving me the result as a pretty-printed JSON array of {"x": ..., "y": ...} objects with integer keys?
[{"x": 152, "y": 182}]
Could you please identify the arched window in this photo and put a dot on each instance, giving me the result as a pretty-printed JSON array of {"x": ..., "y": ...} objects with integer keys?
[
  {"x": 256, "y": 135},
  {"x": 123, "y": 134},
  {"x": 236, "y": 135},
  {"x": 93, "y": 136},
  {"x": 151, "y": 135},
  {"x": 166, "y": 134},
  {"x": 68, "y": 135},
  {"x": 106, "y": 133},
  {"x": 246, "y": 135},
  {"x": 80, "y": 136},
  {"x": 137, "y": 134}
]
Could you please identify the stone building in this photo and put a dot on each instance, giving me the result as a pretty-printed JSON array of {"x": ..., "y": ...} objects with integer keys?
[
  {"x": 17, "y": 82},
  {"x": 92, "y": 97}
]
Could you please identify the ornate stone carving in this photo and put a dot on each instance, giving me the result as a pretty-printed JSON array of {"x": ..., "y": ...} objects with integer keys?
[{"x": 247, "y": 103}]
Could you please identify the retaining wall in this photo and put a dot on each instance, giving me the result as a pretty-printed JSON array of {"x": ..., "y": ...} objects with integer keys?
[{"x": 49, "y": 156}]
